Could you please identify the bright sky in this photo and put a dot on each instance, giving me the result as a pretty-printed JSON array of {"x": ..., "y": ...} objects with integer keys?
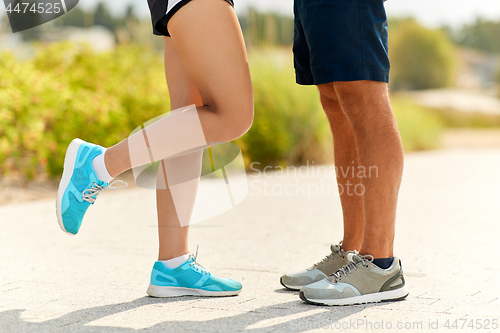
[{"x": 429, "y": 12}]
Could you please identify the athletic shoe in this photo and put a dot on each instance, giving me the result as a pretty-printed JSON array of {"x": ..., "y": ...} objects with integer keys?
[
  {"x": 326, "y": 267},
  {"x": 189, "y": 279},
  {"x": 360, "y": 281},
  {"x": 79, "y": 185}
]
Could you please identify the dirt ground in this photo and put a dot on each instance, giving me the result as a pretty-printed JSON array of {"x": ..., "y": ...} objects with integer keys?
[
  {"x": 12, "y": 191},
  {"x": 471, "y": 138},
  {"x": 15, "y": 191}
]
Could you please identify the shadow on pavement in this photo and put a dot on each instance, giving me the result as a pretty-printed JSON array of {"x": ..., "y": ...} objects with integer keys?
[{"x": 11, "y": 321}]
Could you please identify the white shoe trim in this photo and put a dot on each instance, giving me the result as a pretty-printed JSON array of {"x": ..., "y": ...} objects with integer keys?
[
  {"x": 158, "y": 291},
  {"x": 69, "y": 166},
  {"x": 367, "y": 298}
]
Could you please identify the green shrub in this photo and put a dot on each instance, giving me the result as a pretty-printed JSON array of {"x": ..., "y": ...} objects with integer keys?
[
  {"x": 68, "y": 91},
  {"x": 421, "y": 58},
  {"x": 290, "y": 127},
  {"x": 420, "y": 128},
  {"x": 457, "y": 119},
  {"x": 498, "y": 81}
]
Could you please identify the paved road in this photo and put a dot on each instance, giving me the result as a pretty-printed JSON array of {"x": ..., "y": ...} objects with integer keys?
[{"x": 447, "y": 236}]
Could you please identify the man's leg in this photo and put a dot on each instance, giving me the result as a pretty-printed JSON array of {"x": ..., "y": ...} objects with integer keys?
[
  {"x": 380, "y": 151},
  {"x": 346, "y": 159},
  {"x": 364, "y": 280},
  {"x": 357, "y": 50}
]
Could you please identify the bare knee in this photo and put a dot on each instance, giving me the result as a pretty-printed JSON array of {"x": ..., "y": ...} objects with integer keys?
[
  {"x": 329, "y": 101},
  {"x": 355, "y": 95},
  {"x": 236, "y": 119},
  {"x": 327, "y": 92},
  {"x": 242, "y": 122},
  {"x": 365, "y": 103}
]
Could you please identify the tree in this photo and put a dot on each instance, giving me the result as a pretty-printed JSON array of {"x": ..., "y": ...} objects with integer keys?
[
  {"x": 266, "y": 28},
  {"x": 482, "y": 35},
  {"x": 74, "y": 18},
  {"x": 421, "y": 58},
  {"x": 103, "y": 17},
  {"x": 130, "y": 14}
]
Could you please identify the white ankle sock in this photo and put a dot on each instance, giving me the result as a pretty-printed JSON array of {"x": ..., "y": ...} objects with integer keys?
[
  {"x": 100, "y": 168},
  {"x": 176, "y": 262}
]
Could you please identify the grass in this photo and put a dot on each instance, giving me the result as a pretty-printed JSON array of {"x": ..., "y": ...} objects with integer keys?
[
  {"x": 420, "y": 128},
  {"x": 455, "y": 119}
]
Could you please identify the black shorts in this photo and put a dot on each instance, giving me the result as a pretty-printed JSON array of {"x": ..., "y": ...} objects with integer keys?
[
  {"x": 340, "y": 40},
  {"x": 163, "y": 10}
]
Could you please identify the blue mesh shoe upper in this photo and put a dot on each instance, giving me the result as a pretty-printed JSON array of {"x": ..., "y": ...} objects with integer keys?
[
  {"x": 191, "y": 275},
  {"x": 73, "y": 205}
]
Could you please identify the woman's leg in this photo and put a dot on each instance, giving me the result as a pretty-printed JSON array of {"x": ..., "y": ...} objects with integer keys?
[
  {"x": 209, "y": 41},
  {"x": 174, "y": 214},
  {"x": 173, "y": 238}
]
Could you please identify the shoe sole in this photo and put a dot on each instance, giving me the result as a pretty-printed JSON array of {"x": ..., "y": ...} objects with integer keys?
[
  {"x": 69, "y": 165},
  {"x": 385, "y": 296},
  {"x": 157, "y": 291},
  {"x": 292, "y": 288}
]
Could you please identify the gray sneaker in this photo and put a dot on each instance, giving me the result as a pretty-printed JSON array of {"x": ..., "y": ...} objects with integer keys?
[
  {"x": 360, "y": 281},
  {"x": 326, "y": 267}
]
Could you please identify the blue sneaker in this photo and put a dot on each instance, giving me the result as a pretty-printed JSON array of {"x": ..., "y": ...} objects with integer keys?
[
  {"x": 79, "y": 185},
  {"x": 189, "y": 279}
]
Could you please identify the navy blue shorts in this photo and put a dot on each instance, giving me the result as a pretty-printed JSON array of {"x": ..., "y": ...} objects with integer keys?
[
  {"x": 163, "y": 10},
  {"x": 340, "y": 40}
]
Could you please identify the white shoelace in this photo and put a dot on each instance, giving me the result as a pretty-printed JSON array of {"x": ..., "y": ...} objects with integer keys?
[
  {"x": 90, "y": 194},
  {"x": 196, "y": 265}
]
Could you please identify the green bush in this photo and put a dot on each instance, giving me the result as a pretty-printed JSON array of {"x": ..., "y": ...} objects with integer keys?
[
  {"x": 290, "y": 127},
  {"x": 456, "y": 119},
  {"x": 498, "y": 81},
  {"x": 421, "y": 58},
  {"x": 68, "y": 91},
  {"x": 420, "y": 128}
]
